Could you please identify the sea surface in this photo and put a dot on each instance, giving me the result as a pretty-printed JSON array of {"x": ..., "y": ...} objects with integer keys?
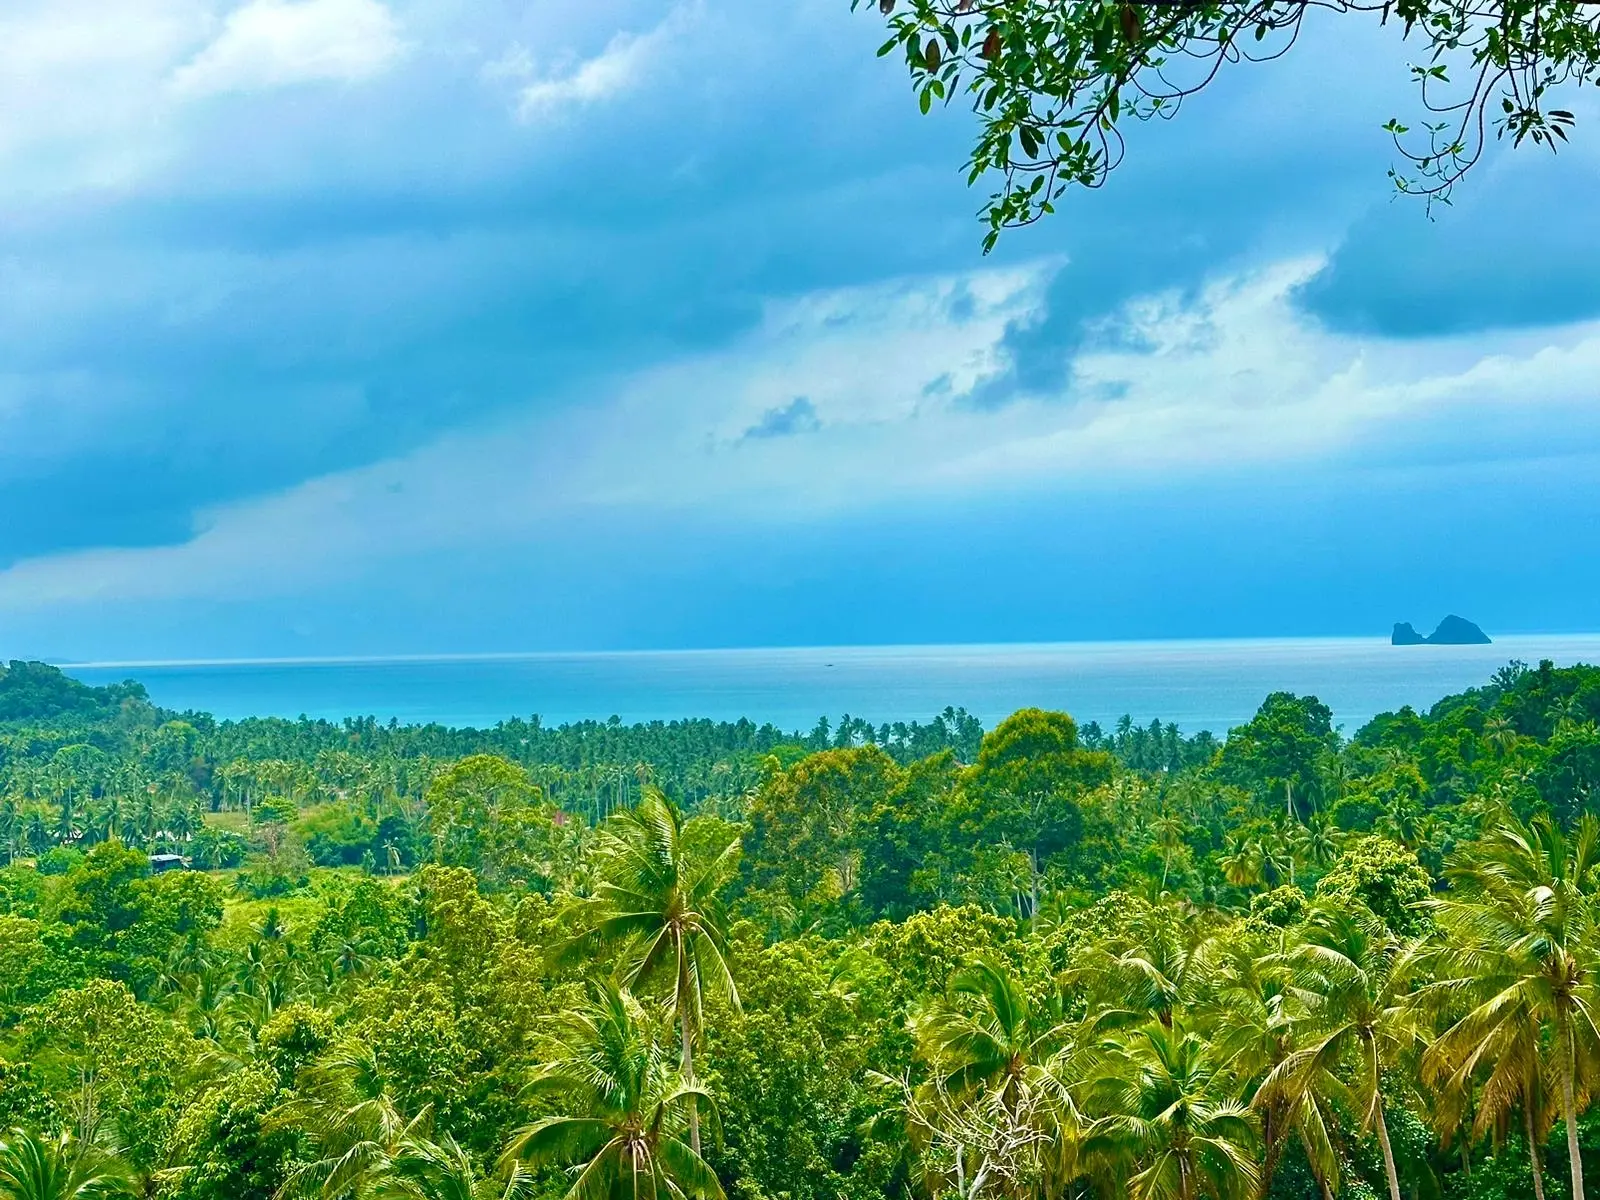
[{"x": 1199, "y": 684}]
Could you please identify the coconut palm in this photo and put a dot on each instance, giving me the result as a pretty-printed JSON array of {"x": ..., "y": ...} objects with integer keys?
[
  {"x": 1247, "y": 1010},
  {"x": 1499, "y": 732},
  {"x": 57, "y": 1168},
  {"x": 1147, "y": 975},
  {"x": 1169, "y": 830},
  {"x": 1243, "y": 863},
  {"x": 1171, "y": 1118},
  {"x": 1333, "y": 775},
  {"x": 352, "y": 955},
  {"x": 624, "y": 1138},
  {"x": 36, "y": 831},
  {"x": 996, "y": 1047},
  {"x": 1402, "y": 819},
  {"x": 111, "y": 814},
  {"x": 1278, "y": 850},
  {"x": 10, "y": 824},
  {"x": 184, "y": 820},
  {"x": 349, "y": 1116},
  {"x": 441, "y": 1169},
  {"x": 1521, "y": 949},
  {"x": 67, "y": 823},
  {"x": 654, "y": 898},
  {"x": 1350, "y": 980},
  {"x": 1001, "y": 1091},
  {"x": 1318, "y": 841}
]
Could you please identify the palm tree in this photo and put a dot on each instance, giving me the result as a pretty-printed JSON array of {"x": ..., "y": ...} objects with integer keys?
[
  {"x": 655, "y": 899},
  {"x": 184, "y": 820},
  {"x": 1170, "y": 1114},
  {"x": 1402, "y": 819},
  {"x": 347, "y": 1112},
  {"x": 1500, "y": 733},
  {"x": 1333, "y": 772},
  {"x": 999, "y": 1047},
  {"x": 441, "y": 1169},
  {"x": 36, "y": 831},
  {"x": 625, "y": 1141},
  {"x": 1169, "y": 829},
  {"x": 111, "y": 811},
  {"x": 1522, "y": 947},
  {"x": 10, "y": 824},
  {"x": 352, "y": 956},
  {"x": 1147, "y": 975},
  {"x": 144, "y": 815},
  {"x": 1487, "y": 1079},
  {"x": 58, "y": 1168},
  {"x": 1278, "y": 851},
  {"x": 999, "y": 1071},
  {"x": 1318, "y": 840},
  {"x": 1568, "y": 713},
  {"x": 1350, "y": 976},
  {"x": 1246, "y": 1008},
  {"x": 66, "y": 815},
  {"x": 1242, "y": 865}
]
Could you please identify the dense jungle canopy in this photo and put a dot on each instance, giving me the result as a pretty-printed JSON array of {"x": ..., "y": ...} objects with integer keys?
[{"x": 887, "y": 962}]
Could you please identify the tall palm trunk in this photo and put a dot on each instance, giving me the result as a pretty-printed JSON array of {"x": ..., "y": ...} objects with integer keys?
[
  {"x": 1272, "y": 1136},
  {"x": 1533, "y": 1151},
  {"x": 1569, "y": 1106},
  {"x": 1388, "y": 1150},
  {"x": 1377, "y": 1112},
  {"x": 685, "y": 1033},
  {"x": 688, "y": 1077}
]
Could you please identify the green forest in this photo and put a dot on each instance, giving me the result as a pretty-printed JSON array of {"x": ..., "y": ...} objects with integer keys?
[{"x": 264, "y": 959}]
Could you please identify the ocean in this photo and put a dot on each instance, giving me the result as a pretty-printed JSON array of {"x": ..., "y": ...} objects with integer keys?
[{"x": 1198, "y": 684}]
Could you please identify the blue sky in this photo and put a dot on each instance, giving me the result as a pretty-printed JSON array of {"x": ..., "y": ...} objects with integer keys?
[{"x": 366, "y": 326}]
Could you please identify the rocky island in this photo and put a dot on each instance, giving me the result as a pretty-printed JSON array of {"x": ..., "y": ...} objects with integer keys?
[{"x": 1452, "y": 631}]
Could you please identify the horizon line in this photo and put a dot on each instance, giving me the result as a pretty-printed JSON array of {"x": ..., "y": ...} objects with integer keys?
[{"x": 335, "y": 660}]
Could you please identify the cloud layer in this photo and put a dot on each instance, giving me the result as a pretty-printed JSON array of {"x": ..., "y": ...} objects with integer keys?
[
  {"x": 307, "y": 305},
  {"x": 1169, "y": 389},
  {"x": 278, "y": 43}
]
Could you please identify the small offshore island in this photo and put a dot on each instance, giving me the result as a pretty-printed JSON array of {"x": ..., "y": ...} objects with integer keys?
[{"x": 1452, "y": 631}]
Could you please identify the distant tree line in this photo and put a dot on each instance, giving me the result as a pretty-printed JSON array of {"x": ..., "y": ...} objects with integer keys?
[{"x": 1042, "y": 964}]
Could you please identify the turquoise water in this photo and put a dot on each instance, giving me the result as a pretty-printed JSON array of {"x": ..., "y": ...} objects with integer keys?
[{"x": 1199, "y": 684}]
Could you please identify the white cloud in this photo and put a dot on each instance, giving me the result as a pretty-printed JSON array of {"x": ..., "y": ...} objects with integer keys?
[
  {"x": 275, "y": 43},
  {"x": 92, "y": 91},
  {"x": 76, "y": 88},
  {"x": 618, "y": 68},
  {"x": 1232, "y": 378}
]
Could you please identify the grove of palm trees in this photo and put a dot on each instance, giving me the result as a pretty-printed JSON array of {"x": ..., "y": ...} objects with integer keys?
[{"x": 698, "y": 961}]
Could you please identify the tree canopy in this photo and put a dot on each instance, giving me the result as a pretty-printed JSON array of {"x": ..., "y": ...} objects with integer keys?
[
  {"x": 1055, "y": 86},
  {"x": 1046, "y": 962}
]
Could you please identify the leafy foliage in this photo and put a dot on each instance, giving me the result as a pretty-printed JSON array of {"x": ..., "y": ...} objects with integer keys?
[
  {"x": 1039, "y": 962},
  {"x": 1054, "y": 85}
]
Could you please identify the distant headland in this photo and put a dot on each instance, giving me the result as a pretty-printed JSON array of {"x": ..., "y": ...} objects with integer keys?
[{"x": 1452, "y": 631}]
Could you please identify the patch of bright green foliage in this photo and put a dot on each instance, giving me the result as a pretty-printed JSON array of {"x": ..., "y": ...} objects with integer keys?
[{"x": 1040, "y": 961}]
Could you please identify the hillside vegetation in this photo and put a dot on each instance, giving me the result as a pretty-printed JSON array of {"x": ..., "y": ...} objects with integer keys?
[{"x": 704, "y": 960}]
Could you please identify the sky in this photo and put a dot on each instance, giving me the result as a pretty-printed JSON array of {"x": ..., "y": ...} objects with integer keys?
[{"x": 418, "y": 326}]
